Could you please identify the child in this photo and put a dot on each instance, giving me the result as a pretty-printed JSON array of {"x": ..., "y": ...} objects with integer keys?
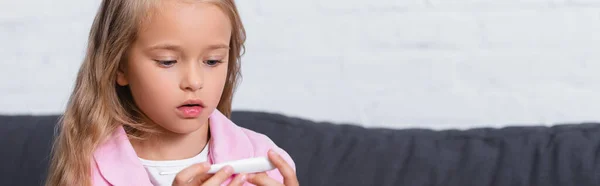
[{"x": 152, "y": 100}]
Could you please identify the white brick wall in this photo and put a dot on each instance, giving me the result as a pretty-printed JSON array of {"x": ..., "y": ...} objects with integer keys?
[{"x": 382, "y": 63}]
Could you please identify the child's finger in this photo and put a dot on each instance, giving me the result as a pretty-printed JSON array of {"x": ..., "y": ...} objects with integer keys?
[
  {"x": 238, "y": 180},
  {"x": 188, "y": 174},
  {"x": 289, "y": 175},
  {"x": 262, "y": 179},
  {"x": 219, "y": 177}
]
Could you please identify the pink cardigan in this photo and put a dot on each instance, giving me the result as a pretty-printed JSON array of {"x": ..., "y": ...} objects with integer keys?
[{"x": 116, "y": 163}]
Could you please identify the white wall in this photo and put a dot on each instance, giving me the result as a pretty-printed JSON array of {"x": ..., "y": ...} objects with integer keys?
[{"x": 391, "y": 63}]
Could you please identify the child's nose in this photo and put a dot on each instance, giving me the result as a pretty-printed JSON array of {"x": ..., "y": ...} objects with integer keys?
[{"x": 193, "y": 78}]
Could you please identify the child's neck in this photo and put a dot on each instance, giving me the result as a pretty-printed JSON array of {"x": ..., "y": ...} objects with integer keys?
[{"x": 172, "y": 146}]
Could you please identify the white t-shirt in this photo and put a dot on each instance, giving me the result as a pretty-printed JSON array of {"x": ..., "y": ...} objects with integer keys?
[{"x": 162, "y": 173}]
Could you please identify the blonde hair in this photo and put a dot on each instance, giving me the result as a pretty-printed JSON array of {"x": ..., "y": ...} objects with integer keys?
[{"x": 98, "y": 106}]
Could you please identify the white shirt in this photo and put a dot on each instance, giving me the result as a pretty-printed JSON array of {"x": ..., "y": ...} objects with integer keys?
[{"x": 162, "y": 173}]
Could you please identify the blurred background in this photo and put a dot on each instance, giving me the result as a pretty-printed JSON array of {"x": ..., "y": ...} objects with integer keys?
[{"x": 435, "y": 64}]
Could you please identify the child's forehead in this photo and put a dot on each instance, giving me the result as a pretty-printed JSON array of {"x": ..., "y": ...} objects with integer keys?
[
  {"x": 183, "y": 5},
  {"x": 177, "y": 11},
  {"x": 180, "y": 22}
]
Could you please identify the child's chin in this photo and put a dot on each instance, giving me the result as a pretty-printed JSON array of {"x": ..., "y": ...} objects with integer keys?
[{"x": 185, "y": 127}]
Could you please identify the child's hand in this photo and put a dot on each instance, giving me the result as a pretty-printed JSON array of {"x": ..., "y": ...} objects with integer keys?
[
  {"x": 289, "y": 175},
  {"x": 196, "y": 175}
]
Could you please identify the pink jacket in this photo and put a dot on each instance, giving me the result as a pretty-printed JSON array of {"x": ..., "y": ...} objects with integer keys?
[{"x": 116, "y": 163}]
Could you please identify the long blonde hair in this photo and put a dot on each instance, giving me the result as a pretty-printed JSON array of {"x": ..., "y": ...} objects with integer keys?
[{"x": 98, "y": 106}]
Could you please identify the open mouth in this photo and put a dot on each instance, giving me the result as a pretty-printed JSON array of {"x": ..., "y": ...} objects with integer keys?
[
  {"x": 191, "y": 108},
  {"x": 191, "y": 105}
]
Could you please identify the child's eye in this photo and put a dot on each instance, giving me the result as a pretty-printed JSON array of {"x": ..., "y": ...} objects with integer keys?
[
  {"x": 213, "y": 62},
  {"x": 166, "y": 63}
]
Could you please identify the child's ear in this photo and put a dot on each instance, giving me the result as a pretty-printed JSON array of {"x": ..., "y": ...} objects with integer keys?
[{"x": 121, "y": 78}]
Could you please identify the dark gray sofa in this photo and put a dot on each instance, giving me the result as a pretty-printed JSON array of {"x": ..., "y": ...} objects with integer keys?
[{"x": 335, "y": 154}]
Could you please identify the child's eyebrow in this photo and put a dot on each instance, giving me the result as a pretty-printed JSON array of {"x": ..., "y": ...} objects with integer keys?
[
  {"x": 178, "y": 48},
  {"x": 218, "y": 46},
  {"x": 165, "y": 47}
]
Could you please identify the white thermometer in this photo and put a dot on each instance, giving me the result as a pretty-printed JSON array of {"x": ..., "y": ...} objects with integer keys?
[{"x": 250, "y": 165}]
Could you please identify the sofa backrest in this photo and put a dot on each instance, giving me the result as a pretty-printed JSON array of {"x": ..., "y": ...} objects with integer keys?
[{"x": 337, "y": 154}]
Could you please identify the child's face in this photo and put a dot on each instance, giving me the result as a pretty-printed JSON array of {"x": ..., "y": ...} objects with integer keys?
[{"x": 180, "y": 55}]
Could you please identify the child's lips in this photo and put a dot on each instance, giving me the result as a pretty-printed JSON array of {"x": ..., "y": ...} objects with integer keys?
[
  {"x": 191, "y": 108},
  {"x": 190, "y": 111}
]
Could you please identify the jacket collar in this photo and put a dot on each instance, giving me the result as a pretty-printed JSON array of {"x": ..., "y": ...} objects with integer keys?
[
  {"x": 228, "y": 141},
  {"x": 119, "y": 165}
]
